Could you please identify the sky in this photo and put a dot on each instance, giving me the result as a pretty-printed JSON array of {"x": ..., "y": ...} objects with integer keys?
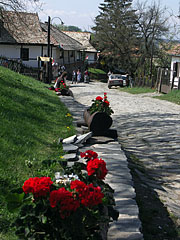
[{"x": 81, "y": 13}]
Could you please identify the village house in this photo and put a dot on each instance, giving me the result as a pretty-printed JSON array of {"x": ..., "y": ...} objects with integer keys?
[
  {"x": 168, "y": 77},
  {"x": 24, "y": 38},
  {"x": 21, "y": 37},
  {"x": 89, "y": 53},
  {"x": 64, "y": 50},
  {"x": 175, "y": 66}
]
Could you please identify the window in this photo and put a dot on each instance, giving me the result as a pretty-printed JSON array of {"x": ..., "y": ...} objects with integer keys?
[
  {"x": 71, "y": 53},
  {"x": 25, "y": 54},
  {"x": 61, "y": 54},
  {"x": 1, "y": 27}
]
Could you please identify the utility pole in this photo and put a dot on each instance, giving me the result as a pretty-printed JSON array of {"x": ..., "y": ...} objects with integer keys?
[{"x": 48, "y": 51}]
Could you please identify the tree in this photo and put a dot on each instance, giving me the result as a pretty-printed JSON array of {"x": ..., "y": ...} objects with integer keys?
[
  {"x": 153, "y": 25},
  {"x": 16, "y": 5},
  {"x": 68, "y": 28},
  {"x": 116, "y": 33}
]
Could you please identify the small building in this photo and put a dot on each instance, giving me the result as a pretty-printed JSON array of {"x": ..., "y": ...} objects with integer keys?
[
  {"x": 89, "y": 53},
  {"x": 24, "y": 38},
  {"x": 64, "y": 49},
  {"x": 21, "y": 37},
  {"x": 175, "y": 66}
]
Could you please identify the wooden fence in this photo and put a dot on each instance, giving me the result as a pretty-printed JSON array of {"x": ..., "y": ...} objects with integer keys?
[
  {"x": 164, "y": 84},
  {"x": 17, "y": 66},
  {"x": 144, "y": 81}
]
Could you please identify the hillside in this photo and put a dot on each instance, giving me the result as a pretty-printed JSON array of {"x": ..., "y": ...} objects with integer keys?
[{"x": 32, "y": 119}]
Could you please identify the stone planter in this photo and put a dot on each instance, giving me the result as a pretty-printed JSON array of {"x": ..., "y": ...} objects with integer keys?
[{"x": 97, "y": 122}]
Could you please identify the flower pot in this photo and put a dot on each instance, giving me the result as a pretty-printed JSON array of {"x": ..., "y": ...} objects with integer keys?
[
  {"x": 66, "y": 92},
  {"x": 97, "y": 122}
]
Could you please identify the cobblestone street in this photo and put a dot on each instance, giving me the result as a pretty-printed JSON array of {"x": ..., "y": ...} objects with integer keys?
[{"x": 148, "y": 129}]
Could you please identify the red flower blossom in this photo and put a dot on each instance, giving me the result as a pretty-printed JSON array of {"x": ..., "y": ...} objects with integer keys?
[
  {"x": 89, "y": 195},
  {"x": 57, "y": 89},
  {"x": 97, "y": 167},
  {"x": 89, "y": 154},
  {"x": 99, "y": 98},
  {"x": 39, "y": 187},
  {"x": 106, "y": 102},
  {"x": 105, "y": 96},
  {"x": 64, "y": 200},
  {"x": 79, "y": 186}
]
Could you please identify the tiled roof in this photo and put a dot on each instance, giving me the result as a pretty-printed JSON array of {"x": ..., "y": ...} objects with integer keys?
[
  {"x": 61, "y": 39},
  {"x": 21, "y": 27},
  {"x": 83, "y": 38},
  {"x": 175, "y": 50}
]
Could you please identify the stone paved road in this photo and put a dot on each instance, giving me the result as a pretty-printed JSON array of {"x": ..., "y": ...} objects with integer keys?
[{"x": 149, "y": 129}]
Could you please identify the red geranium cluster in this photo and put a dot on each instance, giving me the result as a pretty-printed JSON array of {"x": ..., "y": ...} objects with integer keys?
[
  {"x": 89, "y": 154},
  {"x": 101, "y": 105},
  {"x": 89, "y": 195},
  {"x": 99, "y": 98},
  {"x": 65, "y": 200},
  {"x": 97, "y": 167},
  {"x": 39, "y": 187},
  {"x": 104, "y": 101}
]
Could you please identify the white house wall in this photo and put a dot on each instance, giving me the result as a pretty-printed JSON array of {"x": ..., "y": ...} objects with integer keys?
[
  {"x": 91, "y": 57},
  {"x": 174, "y": 60},
  {"x": 13, "y": 52},
  {"x": 10, "y": 51}
]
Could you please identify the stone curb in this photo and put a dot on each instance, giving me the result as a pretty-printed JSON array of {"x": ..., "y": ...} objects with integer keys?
[{"x": 119, "y": 178}]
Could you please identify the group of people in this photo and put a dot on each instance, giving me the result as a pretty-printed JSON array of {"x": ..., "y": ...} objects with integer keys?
[{"x": 77, "y": 76}]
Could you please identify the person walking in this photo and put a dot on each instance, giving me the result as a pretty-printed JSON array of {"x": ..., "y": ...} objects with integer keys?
[
  {"x": 74, "y": 76},
  {"x": 78, "y": 75},
  {"x": 86, "y": 76}
]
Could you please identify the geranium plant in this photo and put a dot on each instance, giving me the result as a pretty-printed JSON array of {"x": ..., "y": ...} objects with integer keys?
[
  {"x": 62, "y": 86},
  {"x": 76, "y": 204},
  {"x": 101, "y": 105}
]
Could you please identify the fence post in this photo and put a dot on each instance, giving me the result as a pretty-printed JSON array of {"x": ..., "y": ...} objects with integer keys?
[{"x": 160, "y": 81}]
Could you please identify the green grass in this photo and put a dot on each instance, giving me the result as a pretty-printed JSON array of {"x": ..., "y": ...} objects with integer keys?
[
  {"x": 137, "y": 90},
  {"x": 32, "y": 119},
  {"x": 173, "y": 96},
  {"x": 96, "y": 71}
]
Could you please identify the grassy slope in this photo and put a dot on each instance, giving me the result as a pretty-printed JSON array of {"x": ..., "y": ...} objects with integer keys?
[
  {"x": 173, "y": 96},
  {"x": 31, "y": 120},
  {"x": 136, "y": 90}
]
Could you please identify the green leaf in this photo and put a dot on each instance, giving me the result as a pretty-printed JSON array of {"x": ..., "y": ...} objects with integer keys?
[
  {"x": 44, "y": 219},
  {"x": 27, "y": 231},
  {"x": 14, "y": 201}
]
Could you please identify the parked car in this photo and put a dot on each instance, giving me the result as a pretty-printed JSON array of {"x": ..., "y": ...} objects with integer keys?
[{"x": 118, "y": 80}]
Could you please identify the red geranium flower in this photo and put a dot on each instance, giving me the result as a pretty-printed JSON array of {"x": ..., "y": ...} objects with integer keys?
[
  {"x": 106, "y": 102},
  {"x": 97, "y": 167},
  {"x": 39, "y": 187},
  {"x": 79, "y": 186},
  {"x": 99, "y": 98},
  {"x": 64, "y": 200},
  {"x": 89, "y": 195},
  {"x": 57, "y": 89},
  {"x": 89, "y": 154}
]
